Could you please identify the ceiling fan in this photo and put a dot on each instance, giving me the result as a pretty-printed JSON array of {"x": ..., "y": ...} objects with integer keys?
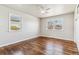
[{"x": 44, "y": 9}]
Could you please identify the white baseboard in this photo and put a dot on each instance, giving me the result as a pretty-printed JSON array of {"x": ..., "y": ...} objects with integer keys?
[
  {"x": 18, "y": 41},
  {"x": 28, "y": 39},
  {"x": 56, "y": 37}
]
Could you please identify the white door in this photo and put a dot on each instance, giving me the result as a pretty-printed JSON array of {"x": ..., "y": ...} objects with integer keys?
[{"x": 77, "y": 29}]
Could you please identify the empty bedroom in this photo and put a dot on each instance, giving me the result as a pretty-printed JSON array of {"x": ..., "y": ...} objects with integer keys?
[{"x": 39, "y": 29}]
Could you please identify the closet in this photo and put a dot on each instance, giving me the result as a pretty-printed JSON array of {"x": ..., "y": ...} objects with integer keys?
[{"x": 76, "y": 25}]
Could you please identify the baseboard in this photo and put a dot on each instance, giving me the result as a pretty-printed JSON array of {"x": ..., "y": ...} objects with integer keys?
[
  {"x": 55, "y": 37},
  {"x": 19, "y": 41},
  {"x": 29, "y": 39}
]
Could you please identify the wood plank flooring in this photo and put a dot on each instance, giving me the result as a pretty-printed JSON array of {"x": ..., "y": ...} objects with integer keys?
[{"x": 41, "y": 46}]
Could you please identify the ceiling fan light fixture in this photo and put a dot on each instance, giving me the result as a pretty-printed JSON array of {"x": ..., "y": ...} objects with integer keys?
[{"x": 42, "y": 11}]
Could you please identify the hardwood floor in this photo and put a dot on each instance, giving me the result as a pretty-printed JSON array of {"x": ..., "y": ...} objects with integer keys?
[{"x": 41, "y": 46}]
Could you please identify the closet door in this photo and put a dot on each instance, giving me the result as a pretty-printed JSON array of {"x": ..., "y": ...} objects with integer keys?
[
  {"x": 76, "y": 27},
  {"x": 77, "y": 24}
]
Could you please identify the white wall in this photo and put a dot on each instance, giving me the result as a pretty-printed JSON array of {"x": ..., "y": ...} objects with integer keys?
[
  {"x": 68, "y": 27},
  {"x": 30, "y": 27}
]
